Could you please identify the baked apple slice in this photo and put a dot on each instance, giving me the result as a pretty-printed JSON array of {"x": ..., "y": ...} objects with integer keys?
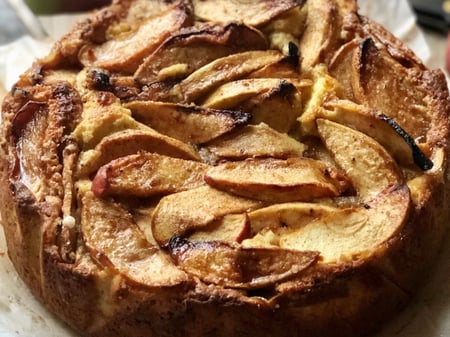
[
  {"x": 357, "y": 233},
  {"x": 147, "y": 174},
  {"x": 252, "y": 141},
  {"x": 253, "y": 13},
  {"x": 188, "y": 123},
  {"x": 290, "y": 216},
  {"x": 180, "y": 213},
  {"x": 340, "y": 64},
  {"x": 276, "y": 180},
  {"x": 231, "y": 228},
  {"x": 378, "y": 81},
  {"x": 231, "y": 94},
  {"x": 320, "y": 35},
  {"x": 114, "y": 241},
  {"x": 382, "y": 128},
  {"x": 193, "y": 47},
  {"x": 124, "y": 53},
  {"x": 220, "y": 71},
  {"x": 237, "y": 267},
  {"x": 127, "y": 142},
  {"x": 279, "y": 108},
  {"x": 368, "y": 164}
]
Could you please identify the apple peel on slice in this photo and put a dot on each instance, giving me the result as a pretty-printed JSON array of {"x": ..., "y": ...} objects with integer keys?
[
  {"x": 237, "y": 267},
  {"x": 276, "y": 180}
]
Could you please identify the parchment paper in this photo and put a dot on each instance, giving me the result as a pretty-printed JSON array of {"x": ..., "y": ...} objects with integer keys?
[{"x": 427, "y": 316}]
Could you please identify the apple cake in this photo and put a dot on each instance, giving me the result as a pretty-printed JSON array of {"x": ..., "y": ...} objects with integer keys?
[{"x": 225, "y": 168}]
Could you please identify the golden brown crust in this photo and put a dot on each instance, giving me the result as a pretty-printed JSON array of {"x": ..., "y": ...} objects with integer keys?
[{"x": 68, "y": 120}]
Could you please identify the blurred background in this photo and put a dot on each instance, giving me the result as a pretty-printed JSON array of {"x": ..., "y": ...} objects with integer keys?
[{"x": 36, "y": 18}]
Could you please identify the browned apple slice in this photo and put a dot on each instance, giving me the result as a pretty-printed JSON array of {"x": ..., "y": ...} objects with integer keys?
[
  {"x": 252, "y": 141},
  {"x": 321, "y": 32},
  {"x": 378, "y": 81},
  {"x": 233, "y": 266},
  {"x": 368, "y": 165},
  {"x": 397, "y": 48},
  {"x": 187, "y": 123},
  {"x": 124, "y": 143},
  {"x": 124, "y": 53},
  {"x": 220, "y": 71},
  {"x": 180, "y": 213},
  {"x": 291, "y": 215},
  {"x": 232, "y": 93},
  {"x": 231, "y": 228},
  {"x": 383, "y": 129},
  {"x": 146, "y": 174},
  {"x": 116, "y": 243},
  {"x": 193, "y": 47},
  {"x": 279, "y": 107},
  {"x": 253, "y": 13},
  {"x": 287, "y": 67},
  {"x": 354, "y": 234},
  {"x": 276, "y": 180},
  {"x": 341, "y": 65}
]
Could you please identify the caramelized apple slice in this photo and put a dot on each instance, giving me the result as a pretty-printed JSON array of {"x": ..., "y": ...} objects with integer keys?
[
  {"x": 146, "y": 174},
  {"x": 115, "y": 242},
  {"x": 378, "y": 81},
  {"x": 124, "y": 53},
  {"x": 291, "y": 215},
  {"x": 397, "y": 48},
  {"x": 383, "y": 129},
  {"x": 341, "y": 65},
  {"x": 233, "y": 266},
  {"x": 124, "y": 143},
  {"x": 252, "y": 141},
  {"x": 231, "y": 228},
  {"x": 253, "y": 13},
  {"x": 193, "y": 47},
  {"x": 188, "y": 123},
  {"x": 321, "y": 32},
  {"x": 180, "y": 213},
  {"x": 232, "y": 93},
  {"x": 368, "y": 165},
  {"x": 220, "y": 71},
  {"x": 276, "y": 180},
  {"x": 279, "y": 108},
  {"x": 354, "y": 234},
  {"x": 287, "y": 67}
]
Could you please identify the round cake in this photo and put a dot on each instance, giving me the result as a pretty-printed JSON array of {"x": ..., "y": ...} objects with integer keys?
[{"x": 225, "y": 168}]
